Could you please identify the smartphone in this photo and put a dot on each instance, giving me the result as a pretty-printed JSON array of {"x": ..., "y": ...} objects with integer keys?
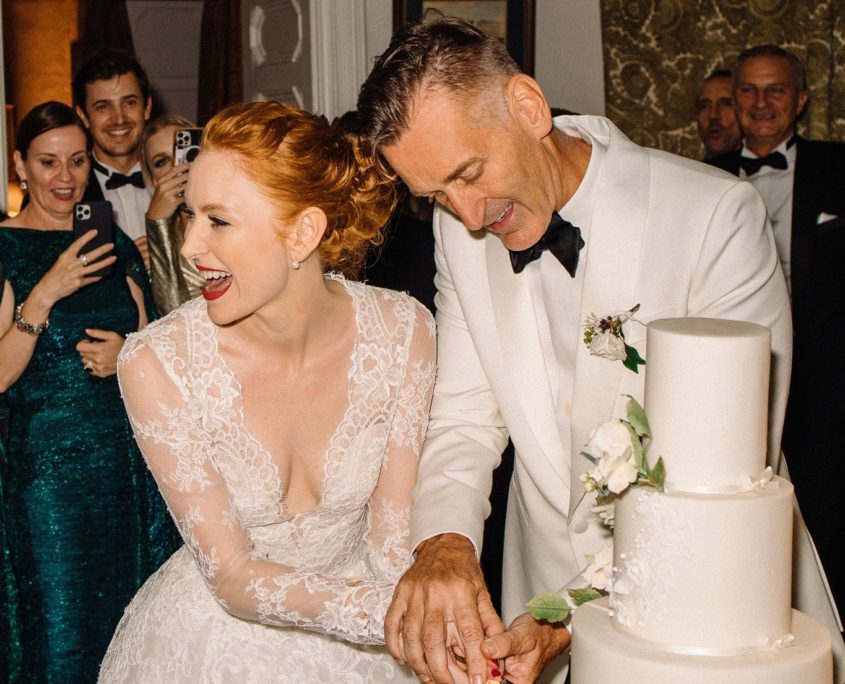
[
  {"x": 186, "y": 145},
  {"x": 100, "y": 217}
]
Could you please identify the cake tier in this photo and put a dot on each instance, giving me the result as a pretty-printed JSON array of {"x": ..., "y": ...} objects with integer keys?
[
  {"x": 706, "y": 397},
  {"x": 601, "y": 654},
  {"x": 704, "y": 571}
]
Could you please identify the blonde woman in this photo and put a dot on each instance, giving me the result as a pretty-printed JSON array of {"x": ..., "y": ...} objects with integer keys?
[{"x": 174, "y": 279}]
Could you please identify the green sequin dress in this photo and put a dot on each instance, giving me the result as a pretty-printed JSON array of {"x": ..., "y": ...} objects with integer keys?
[{"x": 84, "y": 522}]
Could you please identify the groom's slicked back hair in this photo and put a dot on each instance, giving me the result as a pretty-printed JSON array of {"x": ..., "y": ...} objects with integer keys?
[{"x": 439, "y": 52}]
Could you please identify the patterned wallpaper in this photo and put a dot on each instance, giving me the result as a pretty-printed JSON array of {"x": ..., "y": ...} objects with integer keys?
[{"x": 657, "y": 52}]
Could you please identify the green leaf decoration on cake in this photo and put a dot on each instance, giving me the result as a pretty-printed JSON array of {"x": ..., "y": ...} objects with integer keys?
[
  {"x": 657, "y": 475},
  {"x": 549, "y": 606},
  {"x": 581, "y": 596},
  {"x": 637, "y": 450},
  {"x": 637, "y": 418}
]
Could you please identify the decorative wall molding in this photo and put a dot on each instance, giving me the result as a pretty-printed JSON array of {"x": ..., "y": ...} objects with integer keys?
[{"x": 167, "y": 43}]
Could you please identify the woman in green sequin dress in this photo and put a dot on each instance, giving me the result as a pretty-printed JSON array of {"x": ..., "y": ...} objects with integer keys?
[{"x": 84, "y": 522}]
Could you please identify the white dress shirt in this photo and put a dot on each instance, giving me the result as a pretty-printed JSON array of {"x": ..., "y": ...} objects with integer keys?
[
  {"x": 561, "y": 294},
  {"x": 129, "y": 203},
  {"x": 775, "y": 186}
]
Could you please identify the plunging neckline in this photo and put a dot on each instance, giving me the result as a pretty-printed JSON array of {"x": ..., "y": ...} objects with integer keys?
[{"x": 332, "y": 450}]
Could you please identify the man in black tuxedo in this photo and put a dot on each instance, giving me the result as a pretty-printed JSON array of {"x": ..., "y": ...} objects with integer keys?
[
  {"x": 803, "y": 184},
  {"x": 112, "y": 96},
  {"x": 716, "y": 115}
]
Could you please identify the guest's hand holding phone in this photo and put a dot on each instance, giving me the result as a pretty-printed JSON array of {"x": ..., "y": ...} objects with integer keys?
[
  {"x": 170, "y": 186},
  {"x": 99, "y": 217},
  {"x": 169, "y": 192}
]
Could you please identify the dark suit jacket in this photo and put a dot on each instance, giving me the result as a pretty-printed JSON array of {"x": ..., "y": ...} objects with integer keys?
[
  {"x": 93, "y": 191},
  {"x": 815, "y": 413}
]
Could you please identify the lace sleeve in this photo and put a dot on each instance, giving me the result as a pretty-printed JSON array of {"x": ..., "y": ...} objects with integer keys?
[
  {"x": 181, "y": 455},
  {"x": 388, "y": 538}
]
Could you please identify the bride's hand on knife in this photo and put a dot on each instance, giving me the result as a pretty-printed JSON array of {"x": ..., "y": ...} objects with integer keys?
[{"x": 527, "y": 647}]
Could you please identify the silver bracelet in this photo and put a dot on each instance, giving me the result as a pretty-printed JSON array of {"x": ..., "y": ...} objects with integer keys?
[{"x": 25, "y": 326}]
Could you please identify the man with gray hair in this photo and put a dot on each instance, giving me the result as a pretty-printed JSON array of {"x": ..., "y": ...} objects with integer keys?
[
  {"x": 802, "y": 184},
  {"x": 539, "y": 223}
]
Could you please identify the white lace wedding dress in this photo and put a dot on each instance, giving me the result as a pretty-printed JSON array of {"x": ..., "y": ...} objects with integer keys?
[{"x": 258, "y": 594}]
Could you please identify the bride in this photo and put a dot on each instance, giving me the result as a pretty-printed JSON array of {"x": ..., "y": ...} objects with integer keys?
[{"x": 282, "y": 415}]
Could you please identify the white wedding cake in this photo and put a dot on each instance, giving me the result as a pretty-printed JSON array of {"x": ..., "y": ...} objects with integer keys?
[{"x": 702, "y": 570}]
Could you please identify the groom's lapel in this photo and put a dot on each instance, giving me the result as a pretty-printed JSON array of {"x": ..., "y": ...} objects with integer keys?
[
  {"x": 613, "y": 260},
  {"x": 520, "y": 329}
]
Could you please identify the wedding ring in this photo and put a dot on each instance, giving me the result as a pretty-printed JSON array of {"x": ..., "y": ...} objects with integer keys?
[
  {"x": 88, "y": 365},
  {"x": 84, "y": 259}
]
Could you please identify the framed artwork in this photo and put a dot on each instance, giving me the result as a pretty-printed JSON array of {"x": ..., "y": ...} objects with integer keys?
[{"x": 512, "y": 21}]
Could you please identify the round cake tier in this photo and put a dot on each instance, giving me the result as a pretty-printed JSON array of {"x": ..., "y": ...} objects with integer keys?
[
  {"x": 601, "y": 654},
  {"x": 704, "y": 571},
  {"x": 706, "y": 397}
]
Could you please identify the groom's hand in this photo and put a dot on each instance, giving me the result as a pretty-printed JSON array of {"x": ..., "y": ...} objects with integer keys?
[
  {"x": 527, "y": 647},
  {"x": 443, "y": 592}
]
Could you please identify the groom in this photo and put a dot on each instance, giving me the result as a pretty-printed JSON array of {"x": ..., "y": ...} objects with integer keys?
[{"x": 447, "y": 110}]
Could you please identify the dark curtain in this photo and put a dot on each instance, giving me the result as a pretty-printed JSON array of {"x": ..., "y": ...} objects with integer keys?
[
  {"x": 102, "y": 23},
  {"x": 657, "y": 53},
  {"x": 220, "y": 71}
]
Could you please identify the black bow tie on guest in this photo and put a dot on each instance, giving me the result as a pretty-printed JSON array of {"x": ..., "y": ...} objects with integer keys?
[
  {"x": 118, "y": 180},
  {"x": 752, "y": 165},
  {"x": 561, "y": 238}
]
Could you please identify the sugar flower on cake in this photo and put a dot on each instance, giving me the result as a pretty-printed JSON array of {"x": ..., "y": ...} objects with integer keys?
[
  {"x": 606, "y": 512},
  {"x": 766, "y": 480},
  {"x": 614, "y": 469},
  {"x": 599, "y": 570},
  {"x": 617, "y": 450},
  {"x": 605, "y": 337}
]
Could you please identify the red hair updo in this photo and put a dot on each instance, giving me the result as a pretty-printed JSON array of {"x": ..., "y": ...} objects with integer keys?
[{"x": 299, "y": 160}]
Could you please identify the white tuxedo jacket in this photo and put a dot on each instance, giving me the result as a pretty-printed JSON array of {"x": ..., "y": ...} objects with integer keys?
[{"x": 676, "y": 236}]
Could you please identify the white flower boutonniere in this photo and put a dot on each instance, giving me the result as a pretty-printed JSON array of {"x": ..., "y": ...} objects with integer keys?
[{"x": 604, "y": 337}]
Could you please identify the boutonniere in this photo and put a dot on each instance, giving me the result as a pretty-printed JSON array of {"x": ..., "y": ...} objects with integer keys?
[{"x": 605, "y": 337}]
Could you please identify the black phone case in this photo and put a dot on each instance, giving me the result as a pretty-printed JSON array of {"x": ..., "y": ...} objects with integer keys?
[
  {"x": 97, "y": 216},
  {"x": 186, "y": 145}
]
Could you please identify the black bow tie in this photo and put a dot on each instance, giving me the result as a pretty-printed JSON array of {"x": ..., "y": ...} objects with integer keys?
[
  {"x": 752, "y": 165},
  {"x": 561, "y": 238},
  {"x": 118, "y": 180}
]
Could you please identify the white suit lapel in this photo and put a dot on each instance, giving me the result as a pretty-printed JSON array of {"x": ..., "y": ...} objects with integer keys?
[
  {"x": 612, "y": 261},
  {"x": 519, "y": 332}
]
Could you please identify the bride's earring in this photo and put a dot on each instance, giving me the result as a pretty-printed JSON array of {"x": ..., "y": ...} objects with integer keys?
[
  {"x": 23, "y": 185},
  {"x": 295, "y": 265}
]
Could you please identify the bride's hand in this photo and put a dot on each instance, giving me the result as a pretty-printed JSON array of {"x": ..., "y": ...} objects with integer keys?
[
  {"x": 495, "y": 670},
  {"x": 455, "y": 653}
]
